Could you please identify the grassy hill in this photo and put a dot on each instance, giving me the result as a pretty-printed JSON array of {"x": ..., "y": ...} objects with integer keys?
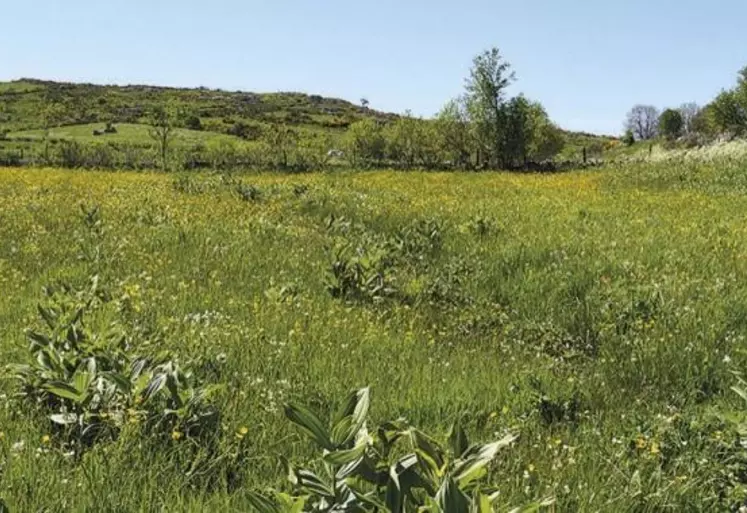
[
  {"x": 79, "y": 109},
  {"x": 24, "y": 104}
]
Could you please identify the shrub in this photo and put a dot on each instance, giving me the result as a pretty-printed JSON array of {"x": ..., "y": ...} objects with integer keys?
[
  {"x": 72, "y": 154},
  {"x": 90, "y": 383},
  {"x": 628, "y": 139},
  {"x": 361, "y": 272},
  {"x": 193, "y": 123},
  {"x": 671, "y": 124},
  {"x": 391, "y": 468},
  {"x": 249, "y": 192}
]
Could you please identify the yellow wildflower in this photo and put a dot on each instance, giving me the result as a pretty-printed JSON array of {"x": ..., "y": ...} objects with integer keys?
[{"x": 176, "y": 435}]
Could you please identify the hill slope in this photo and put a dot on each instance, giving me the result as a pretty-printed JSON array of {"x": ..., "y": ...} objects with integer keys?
[
  {"x": 80, "y": 111},
  {"x": 24, "y": 105}
]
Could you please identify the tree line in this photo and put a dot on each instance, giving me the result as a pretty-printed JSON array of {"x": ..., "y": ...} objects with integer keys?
[
  {"x": 725, "y": 116},
  {"x": 482, "y": 129}
]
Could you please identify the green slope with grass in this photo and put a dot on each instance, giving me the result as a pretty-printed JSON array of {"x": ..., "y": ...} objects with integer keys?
[{"x": 75, "y": 110}]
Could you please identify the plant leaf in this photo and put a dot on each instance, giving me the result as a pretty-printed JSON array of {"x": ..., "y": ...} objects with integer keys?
[
  {"x": 473, "y": 464},
  {"x": 37, "y": 340},
  {"x": 483, "y": 503},
  {"x": 741, "y": 391},
  {"x": 312, "y": 482},
  {"x": 263, "y": 504},
  {"x": 48, "y": 315},
  {"x": 155, "y": 385},
  {"x": 351, "y": 418},
  {"x": 122, "y": 384},
  {"x": 81, "y": 382},
  {"x": 451, "y": 499},
  {"x": 63, "y": 390},
  {"x": 458, "y": 439},
  {"x": 344, "y": 457},
  {"x": 64, "y": 419},
  {"x": 535, "y": 506},
  {"x": 422, "y": 442},
  {"x": 310, "y": 424}
]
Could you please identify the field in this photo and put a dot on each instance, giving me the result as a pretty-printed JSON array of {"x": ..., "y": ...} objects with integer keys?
[{"x": 598, "y": 315}]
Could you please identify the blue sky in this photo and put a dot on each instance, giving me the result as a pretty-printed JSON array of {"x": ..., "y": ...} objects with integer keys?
[{"x": 587, "y": 61}]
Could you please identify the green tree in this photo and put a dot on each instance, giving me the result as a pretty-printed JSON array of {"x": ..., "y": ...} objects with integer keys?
[
  {"x": 404, "y": 140},
  {"x": 193, "y": 122},
  {"x": 689, "y": 111},
  {"x": 629, "y": 138},
  {"x": 517, "y": 134},
  {"x": 547, "y": 139},
  {"x": 428, "y": 148},
  {"x": 671, "y": 124},
  {"x": 702, "y": 122},
  {"x": 281, "y": 143},
  {"x": 486, "y": 87},
  {"x": 452, "y": 133},
  {"x": 728, "y": 114},
  {"x": 161, "y": 122},
  {"x": 364, "y": 143}
]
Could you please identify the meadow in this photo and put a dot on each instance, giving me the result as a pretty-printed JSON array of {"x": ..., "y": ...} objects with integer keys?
[{"x": 598, "y": 315}]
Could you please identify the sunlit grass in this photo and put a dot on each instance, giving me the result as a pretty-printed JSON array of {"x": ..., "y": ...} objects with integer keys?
[{"x": 616, "y": 297}]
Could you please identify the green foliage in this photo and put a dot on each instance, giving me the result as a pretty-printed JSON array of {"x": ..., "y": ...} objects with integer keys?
[
  {"x": 193, "y": 122},
  {"x": 728, "y": 114},
  {"x": 364, "y": 144},
  {"x": 504, "y": 133},
  {"x": 671, "y": 124},
  {"x": 486, "y": 87},
  {"x": 392, "y": 468},
  {"x": 406, "y": 140},
  {"x": 90, "y": 385},
  {"x": 453, "y": 132},
  {"x": 180, "y": 129},
  {"x": 365, "y": 267},
  {"x": 628, "y": 139},
  {"x": 546, "y": 140},
  {"x": 162, "y": 121},
  {"x": 280, "y": 143},
  {"x": 361, "y": 272}
]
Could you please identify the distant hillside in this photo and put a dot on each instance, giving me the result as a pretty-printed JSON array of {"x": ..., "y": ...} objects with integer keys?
[
  {"x": 23, "y": 102},
  {"x": 77, "y": 110}
]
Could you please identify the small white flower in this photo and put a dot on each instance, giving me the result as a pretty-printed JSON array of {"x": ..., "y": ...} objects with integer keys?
[{"x": 18, "y": 446}]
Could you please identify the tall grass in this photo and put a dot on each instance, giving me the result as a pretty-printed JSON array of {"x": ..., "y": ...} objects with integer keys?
[{"x": 599, "y": 315}]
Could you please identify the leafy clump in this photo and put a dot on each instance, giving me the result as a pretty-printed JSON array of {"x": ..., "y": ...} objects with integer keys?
[
  {"x": 90, "y": 383},
  {"x": 366, "y": 266},
  {"x": 361, "y": 272},
  {"x": 249, "y": 193},
  {"x": 394, "y": 468}
]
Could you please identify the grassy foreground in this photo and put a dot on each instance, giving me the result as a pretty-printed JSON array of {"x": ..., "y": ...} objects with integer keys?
[{"x": 600, "y": 316}]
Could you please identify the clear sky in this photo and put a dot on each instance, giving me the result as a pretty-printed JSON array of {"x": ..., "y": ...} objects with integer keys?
[{"x": 587, "y": 61}]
